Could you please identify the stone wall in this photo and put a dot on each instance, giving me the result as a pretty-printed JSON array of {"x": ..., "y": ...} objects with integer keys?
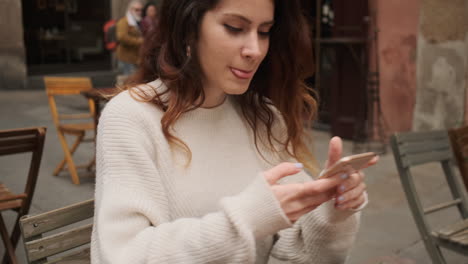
[
  {"x": 397, "y": 25},
  {"x": 12, "y": 51},
  {"x": 441, "y": 65}
]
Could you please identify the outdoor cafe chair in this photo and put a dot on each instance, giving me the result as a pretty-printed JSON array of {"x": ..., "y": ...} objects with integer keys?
[
  {"x": 59, "y": 236},
  {"x": 12, "y": 142},
  {"x": 459, "y": 140},
  {"x": 79, "y": 126},
  {"x": 416, "y": 148}
]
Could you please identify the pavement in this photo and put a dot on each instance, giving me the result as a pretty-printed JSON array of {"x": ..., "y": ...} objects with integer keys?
[{"x": 388, "y": 234}]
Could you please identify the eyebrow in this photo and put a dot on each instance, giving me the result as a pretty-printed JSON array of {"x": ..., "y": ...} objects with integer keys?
[{"x": 248, "y": 20}]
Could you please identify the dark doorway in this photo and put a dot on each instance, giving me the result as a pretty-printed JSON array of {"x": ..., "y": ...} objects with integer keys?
[
  {"x": 340, "y": 37},
  {"x": 64, "y": 36}
]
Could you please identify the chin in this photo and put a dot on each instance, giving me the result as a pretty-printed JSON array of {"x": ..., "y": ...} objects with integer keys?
[{"x": 237, "y": 89}]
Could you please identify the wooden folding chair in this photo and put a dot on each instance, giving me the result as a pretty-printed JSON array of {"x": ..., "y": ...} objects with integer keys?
[
  {"x": 14, "y": 142},
  {"x": 415, "y": 148},
  {"x": 62, "y": 86},
  {"x": 459, "y": 140},
  {"x": 45, "y": 243}
]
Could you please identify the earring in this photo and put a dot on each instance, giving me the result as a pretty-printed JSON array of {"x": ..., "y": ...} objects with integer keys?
[{"x": 188, "y": 51}]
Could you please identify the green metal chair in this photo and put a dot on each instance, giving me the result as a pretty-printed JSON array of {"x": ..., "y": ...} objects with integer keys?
[{"x": 417, "y": 148}]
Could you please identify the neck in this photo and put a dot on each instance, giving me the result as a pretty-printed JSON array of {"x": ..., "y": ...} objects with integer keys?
[{"x": 213, "y": 97}]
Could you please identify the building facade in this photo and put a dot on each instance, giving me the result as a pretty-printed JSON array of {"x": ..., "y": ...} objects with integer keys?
[{"x": 422, "y": 51}]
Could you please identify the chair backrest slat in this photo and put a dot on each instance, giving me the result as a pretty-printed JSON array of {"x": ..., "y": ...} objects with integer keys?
[
  {"x": 422, "y": 147},
  {"x": 17, "y": 149},
  {"x": 57, "y": 243},
  {"x": 422, "y": 158},
  {"x": 19, "y": 141},
  {"x": 38, "y": 224},
  {"x": 18, "y": 132},
  {"x": 67, "y": 85},
  {"x": 422, "y": 136},
  {"x": 82, "y": 256}
]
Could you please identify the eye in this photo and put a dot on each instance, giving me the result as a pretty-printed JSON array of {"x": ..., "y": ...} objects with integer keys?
[
  {"x": 232, "y": 29},
  {"x": 264, "y": 34}
]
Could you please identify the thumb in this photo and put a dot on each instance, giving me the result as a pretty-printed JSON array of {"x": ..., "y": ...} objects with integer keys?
[
  {"x": 335, "y": 149},
  {"x": 282, "y": 170}
]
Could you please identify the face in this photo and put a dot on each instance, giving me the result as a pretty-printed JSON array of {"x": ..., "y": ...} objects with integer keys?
[
  {"x": 136, "y": 9},
  {"x": 151, "y": 11},
  {"x": 233, "y": 41}
]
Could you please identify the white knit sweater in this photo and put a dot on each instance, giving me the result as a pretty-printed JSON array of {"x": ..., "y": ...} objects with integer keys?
[{"x": 152, "y": 208}]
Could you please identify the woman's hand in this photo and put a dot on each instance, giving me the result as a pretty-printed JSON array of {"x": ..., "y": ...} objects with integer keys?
[
  {"x": 297, "y": 199},
  {"x": 351, "y": 193}
]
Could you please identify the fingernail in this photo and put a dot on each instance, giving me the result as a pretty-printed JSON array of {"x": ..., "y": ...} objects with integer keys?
[
  {"x": 299, "y": 165},
  {"x": 342, "y": 188},
  {"x": 344, "y": 176},
  {"x": 341, "y": 198}
]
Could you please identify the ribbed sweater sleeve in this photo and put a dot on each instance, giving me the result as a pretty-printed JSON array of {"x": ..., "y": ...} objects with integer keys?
[
  {"x": 323, "y": 236},
  {"x": 133, "y": 222}
]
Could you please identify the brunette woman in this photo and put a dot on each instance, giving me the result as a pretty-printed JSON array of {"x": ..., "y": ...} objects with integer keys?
[{"x": 201, "y": 159}]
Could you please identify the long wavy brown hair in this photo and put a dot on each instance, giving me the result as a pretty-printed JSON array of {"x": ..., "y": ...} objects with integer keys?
[{"x": 278, "y": 80}]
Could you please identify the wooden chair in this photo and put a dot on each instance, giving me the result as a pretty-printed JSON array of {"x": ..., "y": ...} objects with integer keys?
[
  {"x": 14, "y": 142},
  {"x": 62, "y": 86},
  {"x": 459, "y": 140},
  {"x": 416, "y": 148},
  {"x": 42, "y": 242}
]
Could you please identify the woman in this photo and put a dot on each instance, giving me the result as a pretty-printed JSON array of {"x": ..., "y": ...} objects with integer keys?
[
  {"x": 149, "y": 17},
  {"x": 193, "y": 165}
]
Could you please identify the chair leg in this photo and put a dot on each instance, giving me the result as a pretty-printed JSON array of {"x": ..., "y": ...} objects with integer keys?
[
  {"x": 9, "y": 249},
  {"x": 91, "y": 164},
  {"x": 72, "y": 150},
  {"x": 434, "y": 252},
  {"x": 68, "y": 157}
]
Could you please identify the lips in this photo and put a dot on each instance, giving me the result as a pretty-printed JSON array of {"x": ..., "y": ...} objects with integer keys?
[{"x": 241, "y": 74}]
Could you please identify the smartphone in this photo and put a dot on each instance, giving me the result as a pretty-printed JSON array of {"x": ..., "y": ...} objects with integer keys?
[{"x": 347, "y": 164}]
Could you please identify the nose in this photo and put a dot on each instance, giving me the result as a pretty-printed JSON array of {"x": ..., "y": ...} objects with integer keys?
[{"x": 252, "y": 48}]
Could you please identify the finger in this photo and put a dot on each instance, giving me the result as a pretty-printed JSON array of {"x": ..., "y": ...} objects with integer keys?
[
  {"x": 324, "y": 184},
  {"x": 351, "y": 194},
  {"x": 373, "y": 161},
  {"x": 296, "y": 215},
  {"x": 287, "y": 192},
  {"x": 282, "y": 170},
  {"x": 354, "y": 180},
  {"x": 307, "y": 201},
  {"x": 355, "y": 203},
  {"x": 317, "y": 199},
  {"x": 335, "y": 149}
]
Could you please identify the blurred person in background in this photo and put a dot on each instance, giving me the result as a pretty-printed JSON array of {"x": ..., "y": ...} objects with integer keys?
[
  {"x": 130, "y": 38},
  {"x": 150, "y": 12}
]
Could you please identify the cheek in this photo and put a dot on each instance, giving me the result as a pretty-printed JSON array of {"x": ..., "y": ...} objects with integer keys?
[
  {"x": 216, "y": 49},
  {"x": 265, "y": 48}
]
